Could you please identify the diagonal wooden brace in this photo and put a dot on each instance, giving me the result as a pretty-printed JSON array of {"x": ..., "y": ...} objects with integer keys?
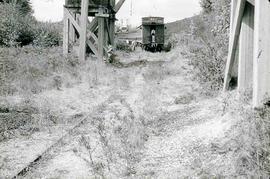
[
  {"x": 234, "y": 41},
  {"x": 89, "y": 33},
  {"x": 119, "y": 5}
]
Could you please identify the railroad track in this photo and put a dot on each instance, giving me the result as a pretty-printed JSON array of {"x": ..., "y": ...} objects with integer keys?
[
  {"x": 30, "y": 165},
  {"x": 24, "y": 170}
]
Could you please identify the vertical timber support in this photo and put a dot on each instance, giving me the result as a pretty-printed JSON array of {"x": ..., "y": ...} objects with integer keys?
[
  {"x": 66, "y": 33},
  {"x": 72, "y": 29},
  {"x": 233, "y": 11},
  {"x": 234, "y": 37},
  {"x": 83, "y": 33},
  {"x": 112, "y": 25},
  {"x": 77, "y": 24},
  {"x": 246, "y": 46},
  {"x": 101, "y": 38},
  {"x": 261, "y": 90},
  {"x": 234, "y": 73}
]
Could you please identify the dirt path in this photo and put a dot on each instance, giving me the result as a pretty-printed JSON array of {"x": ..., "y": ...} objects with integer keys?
[{"x": 154, "y": 124}]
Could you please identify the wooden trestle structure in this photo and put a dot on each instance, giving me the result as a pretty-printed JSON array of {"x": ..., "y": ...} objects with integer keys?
[
  {"x": 97, "y": 34},
  {"x": 249, "y": 49}
]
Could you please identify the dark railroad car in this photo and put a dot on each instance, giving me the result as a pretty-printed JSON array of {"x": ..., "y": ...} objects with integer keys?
[{"x": 153, "y": 33}]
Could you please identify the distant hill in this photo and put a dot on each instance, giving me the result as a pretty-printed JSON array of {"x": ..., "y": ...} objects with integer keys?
[{"x": 179, "y": 26}]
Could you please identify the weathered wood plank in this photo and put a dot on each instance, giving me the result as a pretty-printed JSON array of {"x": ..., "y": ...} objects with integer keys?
[
  {"x": 234, "y": 41},
  {"x": 92, "y": 35},
  {"x": 119, "y": 5},
  {"x": 252, "y": 2},
  {"x": 112, "y": 26},
  {"x": 92, "y": 3},
  {"x": 72, "y": 28},
  {"x": 100, "y": 36},
  {"x": 92, "y": 47},
  {"x": 89, "y": 34},
  {"x": 246, "y": 46},
  {"x": 261, "y": 61},
  {"x": 93, "y": 25},
  {"x": 73, "y": 21},
  {"x": 65, "y": 33},
  {"x": 83, "y": 33}
]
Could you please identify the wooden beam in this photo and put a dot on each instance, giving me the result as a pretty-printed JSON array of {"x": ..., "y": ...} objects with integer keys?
[
  {"x": 261, "y": 83},
  {"x": 83, "y": 33},
  {"x": 72, "y": 28},
  {"x": 66, "y": 33},
  {"x": 246, "y": 46},
  {"x": 73, "y": 21},
  {"x": 252, "y": 2},
  {"x": 89, "y": 34},
  {"x": 93, "y": 36},
  {"x": 234, "y": 41},
  {"x": 92, "y": 47},
  {"x": 107, "y": 31},
  {"x": 234, "y": 70},
  {"x": 119, "y": 5},
  {"x": 78, "y": 28},
  {"x": 93, "y": 24},
  {"x": 100, "y": 36},
  {"x": 112, "y": 26},
  {"x": 232, "y": 17},
  {"x": 112, "y": 32}
]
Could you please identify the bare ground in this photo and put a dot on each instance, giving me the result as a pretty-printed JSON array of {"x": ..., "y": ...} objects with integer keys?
[{"x": 145, "y": 120}]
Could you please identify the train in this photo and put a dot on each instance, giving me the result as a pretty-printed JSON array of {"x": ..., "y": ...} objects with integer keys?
[{"x": 153, "y": 34}]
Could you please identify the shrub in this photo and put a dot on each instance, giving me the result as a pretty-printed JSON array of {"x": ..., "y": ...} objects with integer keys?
[
  {"x": 47, "y": 35},
  {"x": 20, "y": 29},
  {"x": 208, "y": 43},
  {"x": 249, "y": 136},
  {"x": 23, "y": 6},
  {"x": 123, "y": 46},
  {"x": 9, "y": 25},
  {"x": 31, "y": 70}
]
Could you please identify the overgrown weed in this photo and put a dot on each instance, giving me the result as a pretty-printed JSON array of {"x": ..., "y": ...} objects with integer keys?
[
  {"x": 120, "y": 136},
  {"x": 32, "y": 70},
  {"x": 249, "y": 138}
]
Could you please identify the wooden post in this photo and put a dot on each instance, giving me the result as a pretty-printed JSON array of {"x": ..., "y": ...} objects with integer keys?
[
  {"x": 65, "y": 33},
  {"x": 261, "y": 90},
  {"x": 112, "y": 31},
  {"x": 86, "y": 30},
  {"x": 72, "y": 29},
  {"x": 77, "y": 19},
  {"x": 112, "y": 25},
  {"x": 246, "y": 45},
  {"x": 234, "y": 71},
  {"x": 119, "y": 5},
  {"x": 106, "y": 34},
  {"x": 83, "y": 33},
  {"x": 233, "y": 9},
  {"x": 101, "y": 27},
  {"x": 234, "y": 37}
]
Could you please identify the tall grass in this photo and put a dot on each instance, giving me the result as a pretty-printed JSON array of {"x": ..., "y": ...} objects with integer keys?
[
  {"x": 31, "y": 70},
  {"x": 249, "y": 138}
]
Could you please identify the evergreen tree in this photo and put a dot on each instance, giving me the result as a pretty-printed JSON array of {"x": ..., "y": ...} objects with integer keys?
[{"x": 24, "y": 6}]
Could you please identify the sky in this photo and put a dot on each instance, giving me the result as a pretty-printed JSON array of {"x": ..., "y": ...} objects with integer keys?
[{"x": 131, "y": 12}]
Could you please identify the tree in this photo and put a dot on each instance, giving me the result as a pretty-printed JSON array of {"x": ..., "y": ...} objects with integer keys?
[
  {"x": 24, "y": 6},
  {"x": 206, "y": 5}
]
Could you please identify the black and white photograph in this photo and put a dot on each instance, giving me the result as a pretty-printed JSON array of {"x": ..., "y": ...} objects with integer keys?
[{"x": 134, "y": 89}]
